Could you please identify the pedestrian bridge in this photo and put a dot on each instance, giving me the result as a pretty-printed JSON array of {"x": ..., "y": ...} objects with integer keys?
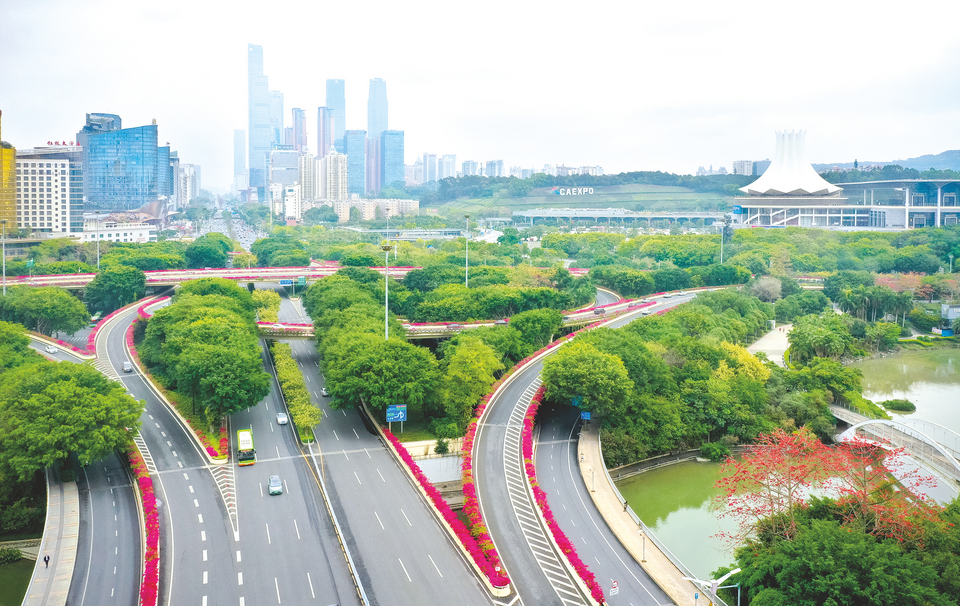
[{"x": 933, "y": 445}]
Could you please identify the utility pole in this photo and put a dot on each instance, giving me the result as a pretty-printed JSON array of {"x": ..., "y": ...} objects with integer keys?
[
  {"x": 466, "y": 258},
  {"x": 386, "y": 292}
]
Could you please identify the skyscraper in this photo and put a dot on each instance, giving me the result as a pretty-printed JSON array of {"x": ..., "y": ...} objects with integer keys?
[
  {"x": 373, "y": 166},
  {"x": 470, "y": 167},
  {"x": 8, "y": 207},
  {"x": 276, "y": 117},
  {"x": 429, "y": 167},
  {"x": 324, "y": 134},
  {"x": 307, "y": 177},
  {"x": 335, "y": 174},
  {"x": 337, "y": 103},
  {"x": 355, "y": 144},
  {"x": 299, "y": 129},
  {"x": 391, "y": 158},
  {"x": 377, "y": 108},
  {"x": 258, "y": 128},
  {"x": 119, "y": 165},
  {"x": 447, "y": 166}
]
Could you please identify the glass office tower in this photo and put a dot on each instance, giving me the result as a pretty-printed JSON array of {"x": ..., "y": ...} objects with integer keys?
[
  {"x": 337, "y": 103},
  {"x": 120, "y": 166},
  {"x": 391, "y": 158},
  {"x": 259, "y": 137},
  {"x": 355, "y": 143},
  {"x": 377, "y": 108}
]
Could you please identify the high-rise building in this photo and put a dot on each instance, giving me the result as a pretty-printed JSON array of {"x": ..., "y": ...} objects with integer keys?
[
  {"x": 324, "y": 132},
  {"x": 515, "y": 171},
  {"x": 307, "y": 178},
  {"x": 259, "y": 135},
  {"x": 377, "y": 108},
  {"x": 276, "y": 118},
  {"x": 373, "y": 185},
  {"x": 335, "y": 174},
  {"x": 119, "y": 164},
  {"x": 41, "y": 205},
  {"x": 284, "y": 167},
  {"x": 759, "y": 167},
  {"x": 494, "y": 168},
  {"x": 287, "y": 139},
  {"x": 292, "y": 202},
  {"x": 742, "y": 167},
  {"x": 429, "y": 168},
  {"x": 299, "y": 129},
  {"x": 392, "y": 170},
  {"x": 470, "y": 167},
  {"x": 189, "y": 177},
  {"x": 355, "y": 146},
  {"x": 8, "y": 185},
  {"x": 447, "y": 166},
  {"x": 165, "y": 176},
  {"x": 337, "y": 103}
]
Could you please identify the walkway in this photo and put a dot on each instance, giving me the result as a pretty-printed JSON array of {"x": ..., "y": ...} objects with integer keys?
[
  {"x": 773, "y": 344},
  {"x": 50, "y": 585},
  {"x": 622, "y": 521}
]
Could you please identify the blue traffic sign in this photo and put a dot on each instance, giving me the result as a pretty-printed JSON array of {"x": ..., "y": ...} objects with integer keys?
[
  {"x": 396, "y": 413},
  {"x": 584, "y": 415},
  {"x": 286, "y": 282}
]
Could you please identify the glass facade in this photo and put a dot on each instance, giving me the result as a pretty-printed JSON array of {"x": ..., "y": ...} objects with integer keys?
[
  {"x": 121, "y": 168},
  {"x": 258, "y": 131},
  {"x": 337, "y": 104},
  {"x": 164, "y": 172},
  {"x": 377, "y": 108},
  {"x": 391, "y": 158},
  {"x": 355, "y": 144}
]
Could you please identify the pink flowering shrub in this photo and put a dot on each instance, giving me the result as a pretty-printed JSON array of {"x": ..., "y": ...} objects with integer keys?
[
  {"x": 566, "y": 546},
  {"x": 149, "y": 585},
  {"x": 480, "y": 548}
]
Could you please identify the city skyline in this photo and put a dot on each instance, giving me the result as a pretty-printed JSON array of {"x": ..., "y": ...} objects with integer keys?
[{"x": 625, "y": 87}]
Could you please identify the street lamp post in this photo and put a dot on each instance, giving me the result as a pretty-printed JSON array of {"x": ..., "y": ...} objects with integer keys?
[
  {"x": 466, "y": 257},
  {"x": 951, "y": 262},
  {"x": 3, "y": 243},
  {"x": 386, "y": 290}
]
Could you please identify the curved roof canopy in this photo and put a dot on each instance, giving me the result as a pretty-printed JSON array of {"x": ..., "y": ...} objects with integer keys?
[{"x": 789, "y": 174}]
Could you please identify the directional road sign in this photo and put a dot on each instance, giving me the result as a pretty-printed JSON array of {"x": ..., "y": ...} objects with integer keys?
[
  {"x": 286, "y": 282},
  {"x": 584, "y": 415},
  {"x": 301, "y": 280},
  {"x": 396, "y": 413}
]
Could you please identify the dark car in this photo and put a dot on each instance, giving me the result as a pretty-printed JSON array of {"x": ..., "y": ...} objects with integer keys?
[{"x": 599, "y": 312}]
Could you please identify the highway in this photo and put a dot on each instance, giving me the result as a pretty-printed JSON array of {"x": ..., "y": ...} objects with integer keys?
[
  {"x": 107, "y": 565},
  {"x": 518, "y": 535},
  {"x": 221, "y": 542},
  {"x": 402, "y": 554}
]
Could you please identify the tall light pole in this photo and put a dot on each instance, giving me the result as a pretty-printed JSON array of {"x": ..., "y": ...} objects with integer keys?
[
  {"x": 466, "y": 256},
  {"x": 3, "y": 244},
  {"x": 951, "y": 262},
  {"x": 386, "y": 290}
]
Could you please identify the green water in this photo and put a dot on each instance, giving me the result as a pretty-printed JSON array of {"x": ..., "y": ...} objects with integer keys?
[
  {"x": 14, "y": 580},
  {"x": 676, "y": 502},
  {"x": 929, "y": 379}
]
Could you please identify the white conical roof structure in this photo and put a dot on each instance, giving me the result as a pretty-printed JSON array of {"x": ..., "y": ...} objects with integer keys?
[{"x": 789, "y": 174}]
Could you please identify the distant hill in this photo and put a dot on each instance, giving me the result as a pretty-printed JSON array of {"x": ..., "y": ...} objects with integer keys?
[{"x": 945, "y": 160}]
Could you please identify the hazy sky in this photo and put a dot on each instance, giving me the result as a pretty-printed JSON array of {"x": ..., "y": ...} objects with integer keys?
[{"x": 629, "y": 85}]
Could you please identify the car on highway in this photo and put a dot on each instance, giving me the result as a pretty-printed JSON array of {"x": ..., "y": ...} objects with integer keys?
[
  {"x": 502, "y": 322},
  {"x": 50, "y": 349},
  {"x": 646, "y": 312},
  {"x": 281, "y": 418},
  {"x": 324, "y": 392},
  {"x": 275, "y": 486},
  {"x": 127, "y": 367},
  {"x": 599, "y": 312},
  {"x": 667, "y": 295}
]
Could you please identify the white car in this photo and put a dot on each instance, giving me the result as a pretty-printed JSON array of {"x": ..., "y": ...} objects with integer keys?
[
  {"x": 50, "y": 349},
  {"x": 281, "y": 418}
]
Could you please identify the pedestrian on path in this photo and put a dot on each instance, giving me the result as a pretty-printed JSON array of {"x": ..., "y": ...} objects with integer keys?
[
  {"x": 46, "y": 558},
  {"x": 624, "y": 505}
]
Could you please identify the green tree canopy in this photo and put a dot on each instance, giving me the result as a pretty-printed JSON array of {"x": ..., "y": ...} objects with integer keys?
[
  {"x": 115, "y": 287},
  {"x": 47, "y": 310},
  {"x": 579, "y": 371}
]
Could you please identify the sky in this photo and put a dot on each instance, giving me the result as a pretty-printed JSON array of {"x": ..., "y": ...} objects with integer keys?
[{"x": 626, "y": 85}]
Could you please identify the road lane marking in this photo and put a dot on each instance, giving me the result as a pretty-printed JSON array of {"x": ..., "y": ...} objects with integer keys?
[
  {"x": 203, "y": 535},
  {"x": 196, "y": 503},
  {"x": 356, "y": 434},
  {"x": 240, "y": 582},
  {"x": 435, "y": 565},
  {"x": 114, "y": 570},
  {"x": 268, "y": 534},
  {"x": 378, "y": 519},
  {"x": 168, "y": 443},
  {"x": 200, "y": 517},
  {"x": 238, "y": 556},
  {"x": 335, "y": 434},
  {"x": 204, "y": 555},
  {"x": 405, "y": 570},
  {"x": 261, "y": 489},
  {"x": 308, "y": 378},
  {"x": 180, "y": 464},
  {"x": 368, "y": 454},
  {"x": 191, "y": 489},
  {"x": 297, "y": 528},
  {"x": 158, "y": 425},
  {"x": 315, "y": 395},
  {"x": 404, "y": 514},
  {"x": 311, "y": 586},
  {"x": 185, "y": 476},
  {"x": 277, "y": 585},
  {"x": 358, "y": 478},
  {"x": 345, "y": 454},
  {"x": 204, "y": 601},
  {"x": 151, "y": 418},
  {"x": 343, "y": 411},
  {"x": 204, "y": 577},
  {"x": 271, "y": 428},
  {"x": 285, "y": 487},
  {"x": 381, "y": 476}
]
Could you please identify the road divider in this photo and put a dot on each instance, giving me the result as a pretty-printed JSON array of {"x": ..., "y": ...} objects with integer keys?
[{"x": 150, "y": 526}]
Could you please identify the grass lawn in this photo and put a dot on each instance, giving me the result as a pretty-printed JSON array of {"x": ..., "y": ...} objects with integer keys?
[
  {"x": 413, "y": 431},
  {"x": 14, "y": 580}
]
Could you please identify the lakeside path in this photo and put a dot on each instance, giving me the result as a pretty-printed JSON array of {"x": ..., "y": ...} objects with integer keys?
[{"x": 774, "y": 344}]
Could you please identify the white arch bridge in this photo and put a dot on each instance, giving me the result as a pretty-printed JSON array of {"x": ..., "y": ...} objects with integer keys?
[{"x": 934, "y": 446}]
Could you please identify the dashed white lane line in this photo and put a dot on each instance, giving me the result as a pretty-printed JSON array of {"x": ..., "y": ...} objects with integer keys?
[
  {"x": 196, "y": 503},
  {"x": 277, "y": 585},
  {"x": 203, "y": 535},
  {"x": 368, "y": 454},
  {"x": 269, "y": 542},
  {"x": 191, "y": 489},
  {"x": 378, "y": 520},
  {"x": 404, "y": 516},
  {"x": 204, "y": 577},
  {"x": 381, "y": 475},
  {"x": 405, "y": 570},
  {"x": 297, "y": 528},
  {"x": 168, "y": 443},
  {"x": 358, "y": 478},
  {"x": 356, "y": 434},
  {"x": 200, "y": 517},
  {"x": 240, "y": 582},
  {"x": 238, "y": 556},
  {"x": 335, "y": 434},
  {"x": 204, "y": 555},
  {"x": 311, "y": 586},
  {"x": 435, "y": 565}
]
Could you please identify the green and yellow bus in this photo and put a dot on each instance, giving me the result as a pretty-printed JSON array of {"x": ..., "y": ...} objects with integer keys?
[{"x": 246, "y": 453}]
